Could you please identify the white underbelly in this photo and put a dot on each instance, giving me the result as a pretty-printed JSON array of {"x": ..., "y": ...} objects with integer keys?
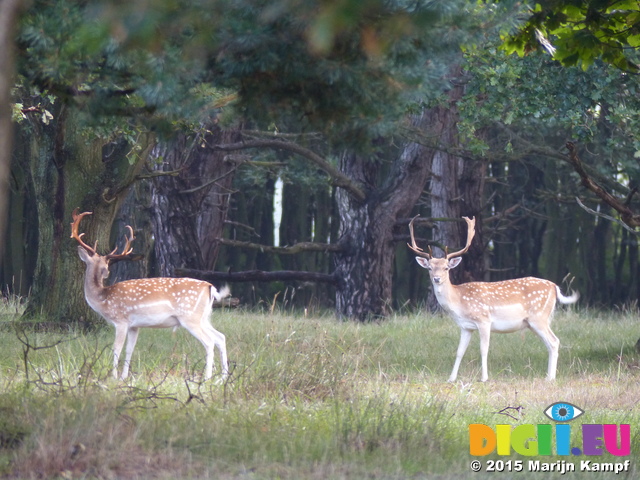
[
  {"x": 165, "y": 322},
  {"x": 162, "y": 320},
  {"x": 508, "y": 326},
  {"x": 508, "y": 318},
  {"x": 464, "y": 323},
  {"x": 504, "y": 319}
]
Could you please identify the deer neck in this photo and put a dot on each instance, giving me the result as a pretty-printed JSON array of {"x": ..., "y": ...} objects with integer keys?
[
  {"x": 447, "y": 294},
  {"x": 94, "y": 290}
]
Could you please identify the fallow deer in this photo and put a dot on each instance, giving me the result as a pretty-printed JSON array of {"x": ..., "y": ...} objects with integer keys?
[
  {"x": 148, "y": 302},
  {"x": 503, "y": 307}
]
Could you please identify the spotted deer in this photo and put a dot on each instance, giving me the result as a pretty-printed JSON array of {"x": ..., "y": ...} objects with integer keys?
[
  {"x": 502, "y": 307},
  {"x": 148, "y": 302}
]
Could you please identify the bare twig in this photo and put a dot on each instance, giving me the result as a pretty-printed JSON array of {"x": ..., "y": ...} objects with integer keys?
[
  {"x": 608, "y": 217},
  {"x": 27, "y": 347},
  {"x": 504, "y": 411},
  {"x": 627, "y": 215},
  {"x": 291, "y": 250},
  {"x": 338, "y": 178},
  {"x": 208, "y": 183},
  {"x": 258, "y": 276}
]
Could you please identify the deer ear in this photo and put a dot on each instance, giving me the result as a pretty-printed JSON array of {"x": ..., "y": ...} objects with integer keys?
[
  {"x": 454, "y": 262},
  {"x": 423, "y": 262},
  {"x": 84, "y": 255}
]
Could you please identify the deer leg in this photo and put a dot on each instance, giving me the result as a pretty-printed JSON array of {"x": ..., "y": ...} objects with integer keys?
[
  {"x": 121, "y": 335},
  {"x": 220, "y": 342},
  {"x": 208, "y": 343},
  {"x": 552, "y": 343},
  {"x": 132, "y": 338},
  {"x": 485, "y": 336},
  {"x": 465, "y": 338}
]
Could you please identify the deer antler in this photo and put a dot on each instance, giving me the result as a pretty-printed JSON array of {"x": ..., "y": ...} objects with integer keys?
[
  {"x": 471, "y": 231},
  {"x": 111, "y": 257},
  {"x": 413, "y": 245},
  {"x": 127, "y": 249},
  {"x": 74, "y": 231}
]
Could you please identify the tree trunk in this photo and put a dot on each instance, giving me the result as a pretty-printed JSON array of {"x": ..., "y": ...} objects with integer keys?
[
  {"x": 9, "y": 10},
  {"x": 190, "y": 206},
  {"x": 67, "y": 172},
  {"x": 457, "y": 187},
  {"x": 136, "y": 211},
  {"x": 21, "y": 240},
  {"x": 364, "y": 270},
  {"x": 364, "y": 278},
  {"x": 306, "y": 217}
]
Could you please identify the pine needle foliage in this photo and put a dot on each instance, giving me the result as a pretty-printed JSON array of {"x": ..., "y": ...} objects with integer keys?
[{"x": 349, "y": 69}]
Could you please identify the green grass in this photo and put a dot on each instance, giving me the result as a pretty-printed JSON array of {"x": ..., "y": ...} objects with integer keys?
[{"x": 307, "y": 398}]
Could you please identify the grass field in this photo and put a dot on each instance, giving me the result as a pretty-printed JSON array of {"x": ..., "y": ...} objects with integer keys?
[{"x": 307, "y": 398}]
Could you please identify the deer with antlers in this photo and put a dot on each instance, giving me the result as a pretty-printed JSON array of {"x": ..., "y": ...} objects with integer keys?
[
  {"x": 502, "y": 307},
  {"x": 148, "y": 302}
]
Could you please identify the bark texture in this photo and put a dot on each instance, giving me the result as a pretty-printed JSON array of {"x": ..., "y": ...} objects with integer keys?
[
  {"x": 66, "y": 171},
  {"x": 456, "y": 188},
  {"x": 9, "y": 10},
  {"x": 364, "y": 269},
  {"x": 190, "y": 205}
]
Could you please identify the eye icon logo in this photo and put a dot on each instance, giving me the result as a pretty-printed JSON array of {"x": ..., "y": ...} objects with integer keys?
[{"x": 562, "y": 412}]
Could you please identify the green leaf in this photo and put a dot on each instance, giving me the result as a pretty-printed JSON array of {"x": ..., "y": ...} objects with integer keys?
[{"x": 634, "y": 40}]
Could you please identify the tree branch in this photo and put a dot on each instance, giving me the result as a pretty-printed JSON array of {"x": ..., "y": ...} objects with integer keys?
[
  {"x": 337, "y": 177},
  {"x": 551, "y": 153},
  {"x": 603, "y": 215},
  {"x": 169, "y": 173},
  {"x": 208, "y": 183},
  {"x": 626, "y": 214},
  {"x": 293, "y": 249},
  {"x": 125, "y": 186},
  {"x": 301, "y": 247},
  {"x": 258, "y": 276}
]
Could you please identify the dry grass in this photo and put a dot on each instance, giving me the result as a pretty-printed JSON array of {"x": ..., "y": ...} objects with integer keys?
[
  {"x": 78, "y": 442},
  {"x": 308, "y": 397}
]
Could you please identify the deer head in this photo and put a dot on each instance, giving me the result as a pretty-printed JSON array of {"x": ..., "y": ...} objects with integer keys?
[
  {"x": 439, "y": 267},
  {"x": 90, "y": 256}
]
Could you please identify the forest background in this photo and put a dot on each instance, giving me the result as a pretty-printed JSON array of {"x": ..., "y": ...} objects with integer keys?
[{"x": 287, "y": 144}]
